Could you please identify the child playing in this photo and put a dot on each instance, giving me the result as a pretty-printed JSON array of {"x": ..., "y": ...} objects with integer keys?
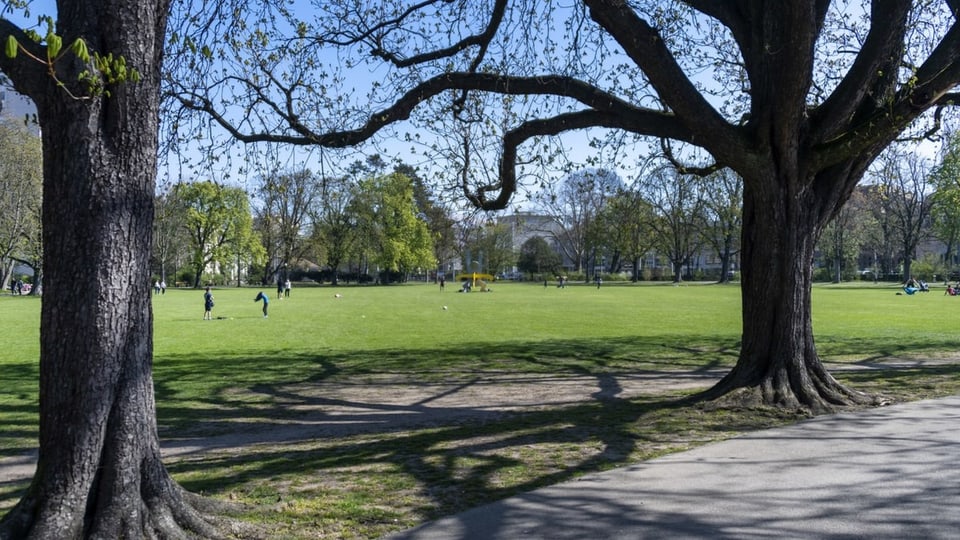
[{"x": 266, "y": 302}]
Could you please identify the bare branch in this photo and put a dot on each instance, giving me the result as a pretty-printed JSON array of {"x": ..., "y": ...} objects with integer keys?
[
  {"x": 931, "y": 87},
  {"x": 684, "y": 168},
  {"x": 947, "y": 100},
  {"x": 481, "y": 40}
]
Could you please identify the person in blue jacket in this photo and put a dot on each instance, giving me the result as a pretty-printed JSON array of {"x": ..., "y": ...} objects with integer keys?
[{"x": 266, "y": 302}]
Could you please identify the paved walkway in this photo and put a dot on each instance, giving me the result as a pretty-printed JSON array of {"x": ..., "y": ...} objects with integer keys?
[{"x": 883, "y": 473}]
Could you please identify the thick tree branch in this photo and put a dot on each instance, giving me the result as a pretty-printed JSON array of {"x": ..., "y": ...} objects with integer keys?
[
  {"x": 781, "y": 67},
  {"x": 644, "y": 122},
  {"x": 877, "y": 61},
  {"x": 647, "y": 49},
  {"x": 930, "y": 88},
  {"x": 26, "y": 75},
  {"x": 736, "y": 14},
  {"x": 683, "y": 168},
  {"x": 939, "y": 70},
  {"x": 727, "y": 13},
  {"x": 401, "y": 109}
]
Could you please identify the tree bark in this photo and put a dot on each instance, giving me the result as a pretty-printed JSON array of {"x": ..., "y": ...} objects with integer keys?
[
  {"x": 99, "y": 473},
  {"x": 778, "y": 363}
]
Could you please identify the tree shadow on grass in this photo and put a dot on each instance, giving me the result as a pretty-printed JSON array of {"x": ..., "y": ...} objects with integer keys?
[
  {"x": 450, "y": 467},
  {"x": 257, "y": 389},
  {"x": 456, "y": 458},
  {"x": 459, "y": 457}
]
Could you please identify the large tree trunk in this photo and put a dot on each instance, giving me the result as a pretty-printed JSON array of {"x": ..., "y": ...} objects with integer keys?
[
  {"x": 99, "y": 473},
  {"x": 778, "y": 363}
]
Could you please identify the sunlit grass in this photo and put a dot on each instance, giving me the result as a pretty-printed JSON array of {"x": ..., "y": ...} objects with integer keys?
[{"x": 518, "y": 328}]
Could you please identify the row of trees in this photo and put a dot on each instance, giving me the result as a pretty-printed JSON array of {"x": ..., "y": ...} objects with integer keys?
[
  {"x": 205, "y": 231},
  {"x": 908, "y": 201},
  {"x": 601, "y": 223},
  {"x": 597, "y": 220},
  {"x": 367, "y": 221}
]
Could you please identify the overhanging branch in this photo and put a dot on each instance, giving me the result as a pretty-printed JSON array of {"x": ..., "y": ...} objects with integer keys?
[
  {"x": 645, "y": 122},
  {"x": 683, "y": 168},
  {"x": 402, "y": 108}
]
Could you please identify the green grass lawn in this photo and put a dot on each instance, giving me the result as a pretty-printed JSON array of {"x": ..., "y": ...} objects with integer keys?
[{"x": 208, "y": 375}]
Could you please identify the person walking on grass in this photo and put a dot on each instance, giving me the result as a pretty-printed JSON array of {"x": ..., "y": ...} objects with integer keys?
[
  {"x": 266, "y": 302},
  {"x": 207, "y": 305}
]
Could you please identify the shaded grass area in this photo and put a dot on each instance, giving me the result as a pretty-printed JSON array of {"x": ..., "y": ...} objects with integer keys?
[
  {"x": 231, "y": 375},
  {"x": 368, "y": 485},
  {"x": 185, "y": 396}
]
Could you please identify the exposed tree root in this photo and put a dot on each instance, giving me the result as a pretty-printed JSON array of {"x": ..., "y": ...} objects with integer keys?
[
  {"x": 179, "y": 515},
  {"x": 812, "y": 390}
]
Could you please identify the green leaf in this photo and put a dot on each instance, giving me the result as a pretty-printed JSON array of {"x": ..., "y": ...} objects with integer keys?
[
  {"x": 79, "y": 48},
  {"x": 12, "y": 46},
  {"x": 54, "y": 44}
]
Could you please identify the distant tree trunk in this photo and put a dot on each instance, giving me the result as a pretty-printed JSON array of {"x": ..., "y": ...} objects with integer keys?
[
  {"x": 99, "y": 473},
  {"x": 726, "y": 255},
  {"x": 907, "y": 263}
]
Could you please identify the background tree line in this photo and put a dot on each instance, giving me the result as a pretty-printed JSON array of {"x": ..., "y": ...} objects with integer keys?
[
  {"x": 367, "y": 224},
  {"x": 364, "y": 225}
]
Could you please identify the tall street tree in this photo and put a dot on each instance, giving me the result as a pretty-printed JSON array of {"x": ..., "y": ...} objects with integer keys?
[
  {"x": 575, "y": 206},
  {"x": 218, "y": 222},
  {"x": 287, "y": 204},
  {"x": 678, "y": 225},
  {"x": 170, "y": 241},
  {"x": 387, "y": 215},
  {"x": 840, "y": 241},
  {"x": 628, "y": 220},
  {"x": 333, "y": 235},
  {"x": 945, "y": 200},
  {"x": 798, "y": 98},
  {"x": 435, "y": 214},
  {"x": 99, "y": 471},
  {"x": 21, "y": 178},
  {"x": 902, "y": 185},
  {"x": 537, "y": 259},
  {"x": 723, "y": 219}
]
